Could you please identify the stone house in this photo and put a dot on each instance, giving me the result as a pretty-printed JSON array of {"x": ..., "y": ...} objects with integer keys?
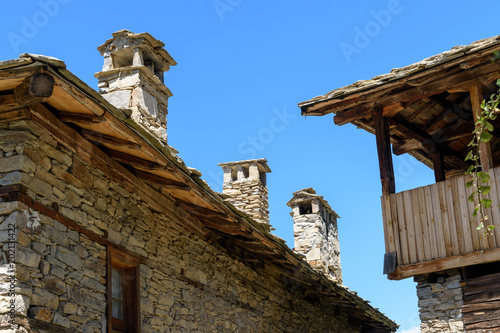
[
  {"x": 430, "y": 110},
  {"x": 105, "y": 229}
]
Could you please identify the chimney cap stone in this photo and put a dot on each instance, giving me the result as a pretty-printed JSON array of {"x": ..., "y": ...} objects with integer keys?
[
  {"x": 309, "y": 194},
  {"x": 156, "y": 45},
  {"x": 261, "y": 164}
]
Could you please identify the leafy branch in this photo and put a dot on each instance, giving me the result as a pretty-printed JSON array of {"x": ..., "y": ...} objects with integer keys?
[{"x": 480, "y": 178}]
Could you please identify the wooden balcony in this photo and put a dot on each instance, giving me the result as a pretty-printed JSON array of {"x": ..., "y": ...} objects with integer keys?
[{"x": 431, "y": 228}]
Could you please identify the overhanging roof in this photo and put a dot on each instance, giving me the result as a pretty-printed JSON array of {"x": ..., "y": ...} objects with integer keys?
[{"x": 426, "y": 102}]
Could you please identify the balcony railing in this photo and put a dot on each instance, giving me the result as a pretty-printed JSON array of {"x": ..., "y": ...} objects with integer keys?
[{"x": 435, "y": 221}]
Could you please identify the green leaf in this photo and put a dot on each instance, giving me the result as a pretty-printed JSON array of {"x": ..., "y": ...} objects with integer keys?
[
  {"x": 490, "y": 227},
  {"x": 471, "y": 198},
  {"x": 485, "y": 177},
  {"x": 486, "y": 202},
  {"x": 469, "y": 155},
  {"x": 469, "y": 184},
  {"x": 488, "y": 126},
  {"x": 484, "y": 189},
  {"x": 469, "y": 170},
  {"x": 485, "y": 136}
]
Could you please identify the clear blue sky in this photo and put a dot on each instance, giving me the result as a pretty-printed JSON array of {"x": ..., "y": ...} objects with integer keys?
[{"x": 244, "y": 66}]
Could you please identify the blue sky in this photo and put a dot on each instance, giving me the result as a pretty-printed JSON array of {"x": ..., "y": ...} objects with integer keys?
[{"x": 242, "y": 68}]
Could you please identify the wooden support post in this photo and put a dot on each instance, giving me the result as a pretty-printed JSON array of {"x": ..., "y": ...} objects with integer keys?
[
  {"x": 476, "y": 97},
  {"x": 381, "y": 125},
  {"x": 435, "y": 151}
]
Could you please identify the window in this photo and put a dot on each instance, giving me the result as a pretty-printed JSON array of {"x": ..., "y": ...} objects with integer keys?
[{"x": 122, "y": 292}]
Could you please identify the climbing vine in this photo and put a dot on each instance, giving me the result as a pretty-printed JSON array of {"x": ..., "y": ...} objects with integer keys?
[{"x": 480, "y": 179}]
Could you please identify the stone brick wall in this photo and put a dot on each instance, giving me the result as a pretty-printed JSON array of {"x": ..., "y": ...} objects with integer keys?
[
  {"x": 249, "y": 196},
  {"x": 316, "y": 233},
  {"x": 440, "y": 303},
  {"x": 187, "y": 284}
]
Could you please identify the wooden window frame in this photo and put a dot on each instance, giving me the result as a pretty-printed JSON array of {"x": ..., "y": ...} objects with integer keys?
[{"x": 129, "y": 266}]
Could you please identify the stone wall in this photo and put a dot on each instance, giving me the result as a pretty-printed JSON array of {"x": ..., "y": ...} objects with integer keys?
[
  {"x": 249, "y": 196},
  {"x": 440, "y": 303},
  {"x": 245, "y": 185},
  {"x": 187, "y": 284},
  {"x": 315, "y": 232}
]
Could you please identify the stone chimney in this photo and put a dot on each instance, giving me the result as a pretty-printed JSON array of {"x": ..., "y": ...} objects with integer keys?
[
  {"x": 245, "y": 184},
  {"x": 315, "y": 232},
  {"x": 132, "y": 79}
]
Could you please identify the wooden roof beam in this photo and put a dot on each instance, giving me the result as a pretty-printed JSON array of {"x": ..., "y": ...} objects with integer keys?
[
  {"x": 465, "y": 79},
  {"x": 32, "y": 90},
  {"x": 108, "y": 139},
  {"x": 366, "y": 111},
  {"x": 134, "y": 161},
  {"x": 414, "y": 132},
  {"x": 199, "y": 210},
  {"x": 449, "y": 107},
  {"x": 462, "y": 260},
  {"x": 406, "y": 146},
  {"x": 165, "y": 183},
  {"x": 79, "y": 118}
]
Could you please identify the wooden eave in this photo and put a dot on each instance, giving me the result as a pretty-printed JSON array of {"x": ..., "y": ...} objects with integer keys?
[
  {"x": 427, "y": 102},
  {"x": 83, "y": 121}
]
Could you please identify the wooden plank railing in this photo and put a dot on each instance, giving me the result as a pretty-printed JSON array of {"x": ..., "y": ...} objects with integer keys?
[{"x": 436, "y": 221}]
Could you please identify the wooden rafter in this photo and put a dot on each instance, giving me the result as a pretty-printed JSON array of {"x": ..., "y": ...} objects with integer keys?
[
  {"x": 134, "y": 161},
  {"x": 79, "y": 118},
  {"x": 163, "y": 182},
  {"x": 449, "y": 108},
  {"x": 108, "y": 139},
  {"x": 413, "y": 131}
]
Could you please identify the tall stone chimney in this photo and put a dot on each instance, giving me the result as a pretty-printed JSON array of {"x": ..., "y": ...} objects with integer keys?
[
  {"x": 132, "y": 79},
  {"x": 315, "y": 232},
  {"x": 245, "y": 184}
]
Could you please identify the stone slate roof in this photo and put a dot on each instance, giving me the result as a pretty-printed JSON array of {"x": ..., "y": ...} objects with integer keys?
[{"x": 400, "y": 73}]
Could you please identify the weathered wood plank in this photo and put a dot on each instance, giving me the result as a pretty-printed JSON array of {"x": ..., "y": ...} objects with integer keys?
[
  {"x": 80, "y": 118},
  {"x": 457, "y": 213},
  {"x": 387, "y": 224},
  {"x": 475, "y": 258},
  {"x": 163, "y": 182},
  {"x": 421, "y": 232},
  {"x": 406, "y": 146},
  {"x": 108, "y": 139},
  {"x": 453, "y": 219},
  {"x": 485, "y": 287},
  {"x": 449, "y": 238},
  {"x": 405, "y": 251},
  {"x": 485, "y": 279},
  {"x": 431, "y": 223},
  {"x": 410, "y": 227},
  {"x": 471, "y": 240},
  {"x": 395, "y": 225},
  {"x": 486, "y": 297},
  {"x": 18, "y": 114},
  {"x": 486, "y": 319},
  {"x": 495, "y": 185}
]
